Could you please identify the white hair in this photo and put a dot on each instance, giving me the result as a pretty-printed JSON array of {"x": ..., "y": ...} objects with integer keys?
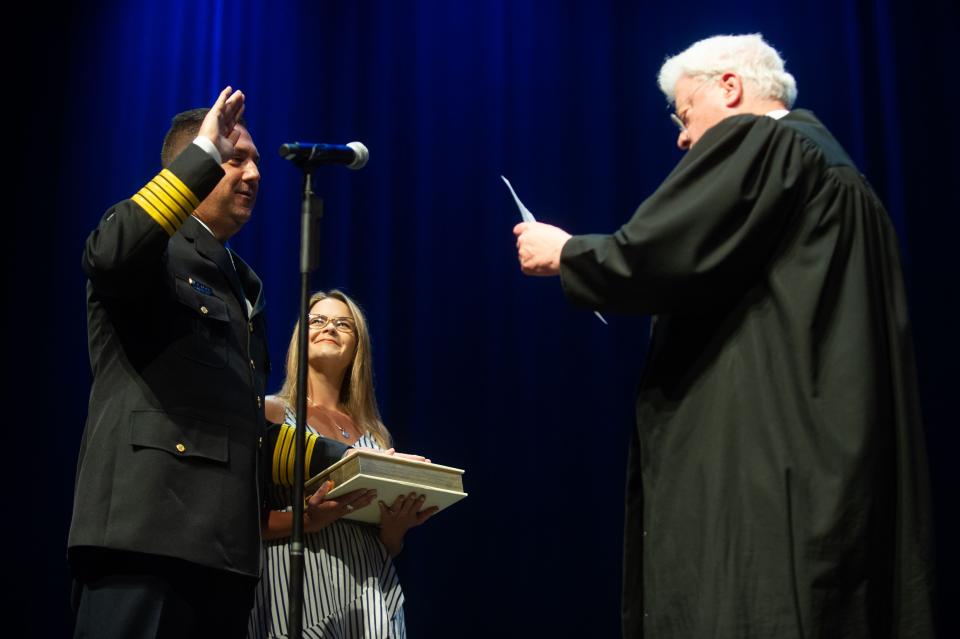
[{"x": 748, "y": 56}]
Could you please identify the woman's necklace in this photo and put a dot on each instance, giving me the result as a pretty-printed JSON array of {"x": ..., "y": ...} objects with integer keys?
[{"x": 343, "y": 432}]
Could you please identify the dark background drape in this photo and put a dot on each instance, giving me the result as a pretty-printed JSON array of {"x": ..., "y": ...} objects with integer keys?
[{"x": 477, "y": 366}]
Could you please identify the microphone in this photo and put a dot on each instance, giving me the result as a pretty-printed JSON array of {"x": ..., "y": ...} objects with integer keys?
[{"x": 305, "y": 155}]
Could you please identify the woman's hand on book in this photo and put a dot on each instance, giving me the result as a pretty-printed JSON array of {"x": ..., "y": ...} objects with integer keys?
[
  {"x": 392, "y": 452},
  {"x": 321, "y": 512},
  {"x": 397, "y": 519}
]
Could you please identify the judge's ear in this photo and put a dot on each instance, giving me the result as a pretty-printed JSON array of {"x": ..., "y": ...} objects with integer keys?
[{"x": 731, "y": 87}]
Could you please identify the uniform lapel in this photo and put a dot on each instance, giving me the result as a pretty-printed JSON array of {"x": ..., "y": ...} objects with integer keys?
[
  {"x": 250, "y": 284},
  {"x": 210, "y": 248}
]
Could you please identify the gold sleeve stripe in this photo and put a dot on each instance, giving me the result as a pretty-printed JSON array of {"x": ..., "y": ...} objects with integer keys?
[
  {"x": 176, "y": 208},
  {"x": 283, "y": 441},
  {"x": 291, "y": 451},
  {"x": 308, "y": 457},
  {"x": 148, "y": 193},
  {"x": 181, "y": 188},
  {"x": 154, "y": 213},
  {"x": 184, "y": 201},
  {"x": 167, "y": 200},
  {"x": 284, "y": 455}
]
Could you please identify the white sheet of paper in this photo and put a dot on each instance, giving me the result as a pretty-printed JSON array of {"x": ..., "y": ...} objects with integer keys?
[
  {"x": 525, "y": 213},
  {"x": 527, "y": 216}
]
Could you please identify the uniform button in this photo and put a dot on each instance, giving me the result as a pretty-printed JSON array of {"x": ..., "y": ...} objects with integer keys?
[
  {"x": 258, "y": 401},
  {"x": 181, "y": 448},
  {"x": 190, "y": 281},
  {"x": 204, "y": 310},
  {"x": 250, "y": 326},
  {"x": 644, "y": 533},
  {"x": 252, "y": 365}
]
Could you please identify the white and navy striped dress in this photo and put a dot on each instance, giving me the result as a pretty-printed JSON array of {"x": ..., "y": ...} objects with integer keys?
[{"x": 351, "y": 590}]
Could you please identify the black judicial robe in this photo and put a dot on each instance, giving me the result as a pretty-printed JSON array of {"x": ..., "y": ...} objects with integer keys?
[{"x": 777, "y": 483}]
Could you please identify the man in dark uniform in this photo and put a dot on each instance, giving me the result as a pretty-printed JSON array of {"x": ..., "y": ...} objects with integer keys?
[
  {"x": 777, "y": 477},
  {"x": 165, "y": 535}
]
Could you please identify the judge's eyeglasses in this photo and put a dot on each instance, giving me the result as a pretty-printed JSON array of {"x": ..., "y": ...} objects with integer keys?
[{"x": 679, "y": 116}]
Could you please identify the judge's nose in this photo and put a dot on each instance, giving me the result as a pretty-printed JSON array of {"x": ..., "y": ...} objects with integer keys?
[{"x": 683, "y": 140}]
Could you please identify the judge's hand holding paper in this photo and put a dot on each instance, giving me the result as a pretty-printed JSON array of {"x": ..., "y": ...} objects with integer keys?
[{"x": 539, "y": 245}]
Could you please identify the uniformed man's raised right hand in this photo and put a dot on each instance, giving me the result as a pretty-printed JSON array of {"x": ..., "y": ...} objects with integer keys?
[{"x": 219, "y": 125}]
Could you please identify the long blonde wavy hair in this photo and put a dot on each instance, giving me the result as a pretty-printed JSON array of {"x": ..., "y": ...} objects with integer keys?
[{"x": 357, "y": 398}]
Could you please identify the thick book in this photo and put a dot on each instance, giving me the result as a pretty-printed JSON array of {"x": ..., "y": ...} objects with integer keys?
[{"x": 391, "y": 476}]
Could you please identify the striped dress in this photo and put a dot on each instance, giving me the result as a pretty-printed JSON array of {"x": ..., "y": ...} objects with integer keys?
[{"x": 351, "y": 589}]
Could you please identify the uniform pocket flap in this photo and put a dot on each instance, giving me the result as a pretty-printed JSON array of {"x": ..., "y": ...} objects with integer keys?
[
  {"x": 180, "y": 435},
  {"x": 201, "y": 299}
]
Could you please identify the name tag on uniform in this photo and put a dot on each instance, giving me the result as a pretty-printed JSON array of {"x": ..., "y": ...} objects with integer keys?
[{"x": 199, "y": 286}]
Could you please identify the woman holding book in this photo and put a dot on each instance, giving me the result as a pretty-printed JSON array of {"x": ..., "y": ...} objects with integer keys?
[{"x": 351, "y": 587}]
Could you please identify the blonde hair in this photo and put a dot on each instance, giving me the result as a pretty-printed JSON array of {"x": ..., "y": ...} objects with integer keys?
[
  {"x": 357, "y": 398},
  {"x": 748, "y": 56}
]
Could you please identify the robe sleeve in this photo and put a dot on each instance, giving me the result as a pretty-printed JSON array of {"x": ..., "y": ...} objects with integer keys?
[{"x": 707, "y": 230}]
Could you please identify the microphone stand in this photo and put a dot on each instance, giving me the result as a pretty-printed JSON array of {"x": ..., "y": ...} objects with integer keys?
[
  {"x": 308, "y": 157},
  {"x": 311, "y": 212}
]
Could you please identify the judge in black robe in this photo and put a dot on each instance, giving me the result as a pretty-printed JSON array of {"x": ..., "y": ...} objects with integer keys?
[{"x": 776, "y": 479}]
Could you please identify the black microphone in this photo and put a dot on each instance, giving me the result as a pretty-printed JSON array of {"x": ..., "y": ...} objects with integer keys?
[{"x": 353, "y": 155}]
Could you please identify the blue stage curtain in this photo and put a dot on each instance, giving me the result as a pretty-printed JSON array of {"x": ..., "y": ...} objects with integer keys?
[{"x": 476, "y": 365}]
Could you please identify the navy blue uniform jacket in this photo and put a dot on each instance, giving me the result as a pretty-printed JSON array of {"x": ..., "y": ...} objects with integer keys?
[{"x": 171, "y": 463}]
